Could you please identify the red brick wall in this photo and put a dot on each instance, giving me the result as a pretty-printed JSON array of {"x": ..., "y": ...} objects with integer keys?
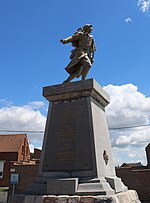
[
  {"x": 37, "y": 153},
  {"x": 27, "y": 174},
  {"x": 24, "y": 152},
  {"x": 138, "y": 180},
  {"x": 9, "y": 156}
]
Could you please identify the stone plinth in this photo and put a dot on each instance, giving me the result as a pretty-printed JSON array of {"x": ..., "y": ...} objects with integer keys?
[
  {"x": 129, "y": 196},
  {"x": 76, "y": 156}
]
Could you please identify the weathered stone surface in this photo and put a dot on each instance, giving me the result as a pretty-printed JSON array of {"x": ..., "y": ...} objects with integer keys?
[
  {"x": 61, "y": 199},
  {"x": 86, "y": 199},
  {"x": 97, "y": 186},
  {"x": 67, "y": 147},
  {"x": 116, "y": 184},
  {"x": 73, "y": 199},
  {"x": 49, "y": 199},
  {"x": 62, "y": 186},
  {"x": 129, "y": 196},
  {"x": 76, "y": 90},
  {"x": 102, "y": 199}
]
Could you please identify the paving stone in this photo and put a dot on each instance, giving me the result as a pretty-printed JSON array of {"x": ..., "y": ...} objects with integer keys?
[
  {"x": 86, "y": 199},
  {"x": 100, "y": 199},
  {"x": 61, "y": 199},
  {"x": 74, "y": 199},
  {"x": 49, "y": 199}
]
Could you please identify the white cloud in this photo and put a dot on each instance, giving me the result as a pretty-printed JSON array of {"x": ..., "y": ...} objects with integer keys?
[
  {"x": 134, "y": 138},
  {"x": 129, "y": 155},
  {"x": 128, "y": 20},
  {"x": 144, "y": 5},
  {"x": 36, "y": 104},
  {"x": 4, "y": 102},
  {"x": 24, "y": 118},
  {"x": 128, "y": 107}
]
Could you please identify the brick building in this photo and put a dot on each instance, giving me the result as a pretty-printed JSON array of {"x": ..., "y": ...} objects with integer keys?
[
  {"x": 131, "y": 165},
  {"x": 13, "y": 147},
  {"x": 27, "y": 171},
  {"x": 37, "y": 153},
  {"x": 137, "y": 177}
]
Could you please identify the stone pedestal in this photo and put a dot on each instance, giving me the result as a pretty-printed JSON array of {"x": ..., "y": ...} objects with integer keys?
[{"x": 76, "y": 156}]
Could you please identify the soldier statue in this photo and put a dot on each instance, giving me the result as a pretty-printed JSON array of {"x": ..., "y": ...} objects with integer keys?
[{"x": 82, "y": 56}]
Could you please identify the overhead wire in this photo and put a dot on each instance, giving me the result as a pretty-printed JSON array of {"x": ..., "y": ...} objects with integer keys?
[
  {"x": 40, "y": 131},
  {"x": 127, "y": 127}
]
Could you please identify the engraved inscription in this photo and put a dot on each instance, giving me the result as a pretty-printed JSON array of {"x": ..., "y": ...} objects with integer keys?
[
  {"x": 68, "y": 139},
  {"x": 65, "y": 134}
]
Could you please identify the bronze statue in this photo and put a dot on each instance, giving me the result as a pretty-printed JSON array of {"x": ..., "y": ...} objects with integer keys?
[{"x": 82, "y": 56}]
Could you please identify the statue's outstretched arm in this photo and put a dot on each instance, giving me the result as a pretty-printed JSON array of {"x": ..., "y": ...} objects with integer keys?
[{"x": 70, "y": 39}]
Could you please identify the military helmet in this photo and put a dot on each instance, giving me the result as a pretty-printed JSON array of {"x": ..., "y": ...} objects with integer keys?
[{"x": 87, "y": 27}]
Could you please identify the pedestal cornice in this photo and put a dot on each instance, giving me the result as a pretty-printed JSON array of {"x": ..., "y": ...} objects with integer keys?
[{"x": 76, "y": 90}]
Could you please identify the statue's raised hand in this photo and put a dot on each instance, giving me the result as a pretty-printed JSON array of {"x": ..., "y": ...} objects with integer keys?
[{"x": 62, "y": 41}]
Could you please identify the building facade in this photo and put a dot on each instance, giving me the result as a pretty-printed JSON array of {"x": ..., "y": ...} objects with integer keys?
[
  {"x": 13, "y": 148},
  {"x": 137, "y": 177}
]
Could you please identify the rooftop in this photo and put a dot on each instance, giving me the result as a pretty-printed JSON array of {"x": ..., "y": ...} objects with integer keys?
[
  {"x": 138, "y": 164},
  {"x": 11, "y": 142}
]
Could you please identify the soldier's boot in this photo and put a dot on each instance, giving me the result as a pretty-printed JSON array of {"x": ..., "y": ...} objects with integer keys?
[
  {"x": 71, "y": 77},
  {"x": 74, "y": 75}
]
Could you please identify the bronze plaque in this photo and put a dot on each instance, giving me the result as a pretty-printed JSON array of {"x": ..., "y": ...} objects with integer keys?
[{"x": 68, "y": 140}]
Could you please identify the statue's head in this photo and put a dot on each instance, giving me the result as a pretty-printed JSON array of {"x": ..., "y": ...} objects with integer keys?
[{"x": 87, "y": 28}]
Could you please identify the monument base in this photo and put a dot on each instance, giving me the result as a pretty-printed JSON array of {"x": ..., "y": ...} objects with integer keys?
[
  {"x": 129, "y": 196},
  {"x": 76, "y": 156},
  {"x": 76, "y": 186}
]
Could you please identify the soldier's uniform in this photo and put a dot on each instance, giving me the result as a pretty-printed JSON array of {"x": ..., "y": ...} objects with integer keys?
[{"x": 80, "y": 56}]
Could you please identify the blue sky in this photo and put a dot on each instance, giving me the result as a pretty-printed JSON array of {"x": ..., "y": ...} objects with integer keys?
[{"x": 31, "y": 55}]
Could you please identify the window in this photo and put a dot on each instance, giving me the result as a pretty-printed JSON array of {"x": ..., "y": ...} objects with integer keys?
[
  {"x": 23, "y": 150},
  {"x": 27, "y": 151},
  {"x": 1, "y": 169}
]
